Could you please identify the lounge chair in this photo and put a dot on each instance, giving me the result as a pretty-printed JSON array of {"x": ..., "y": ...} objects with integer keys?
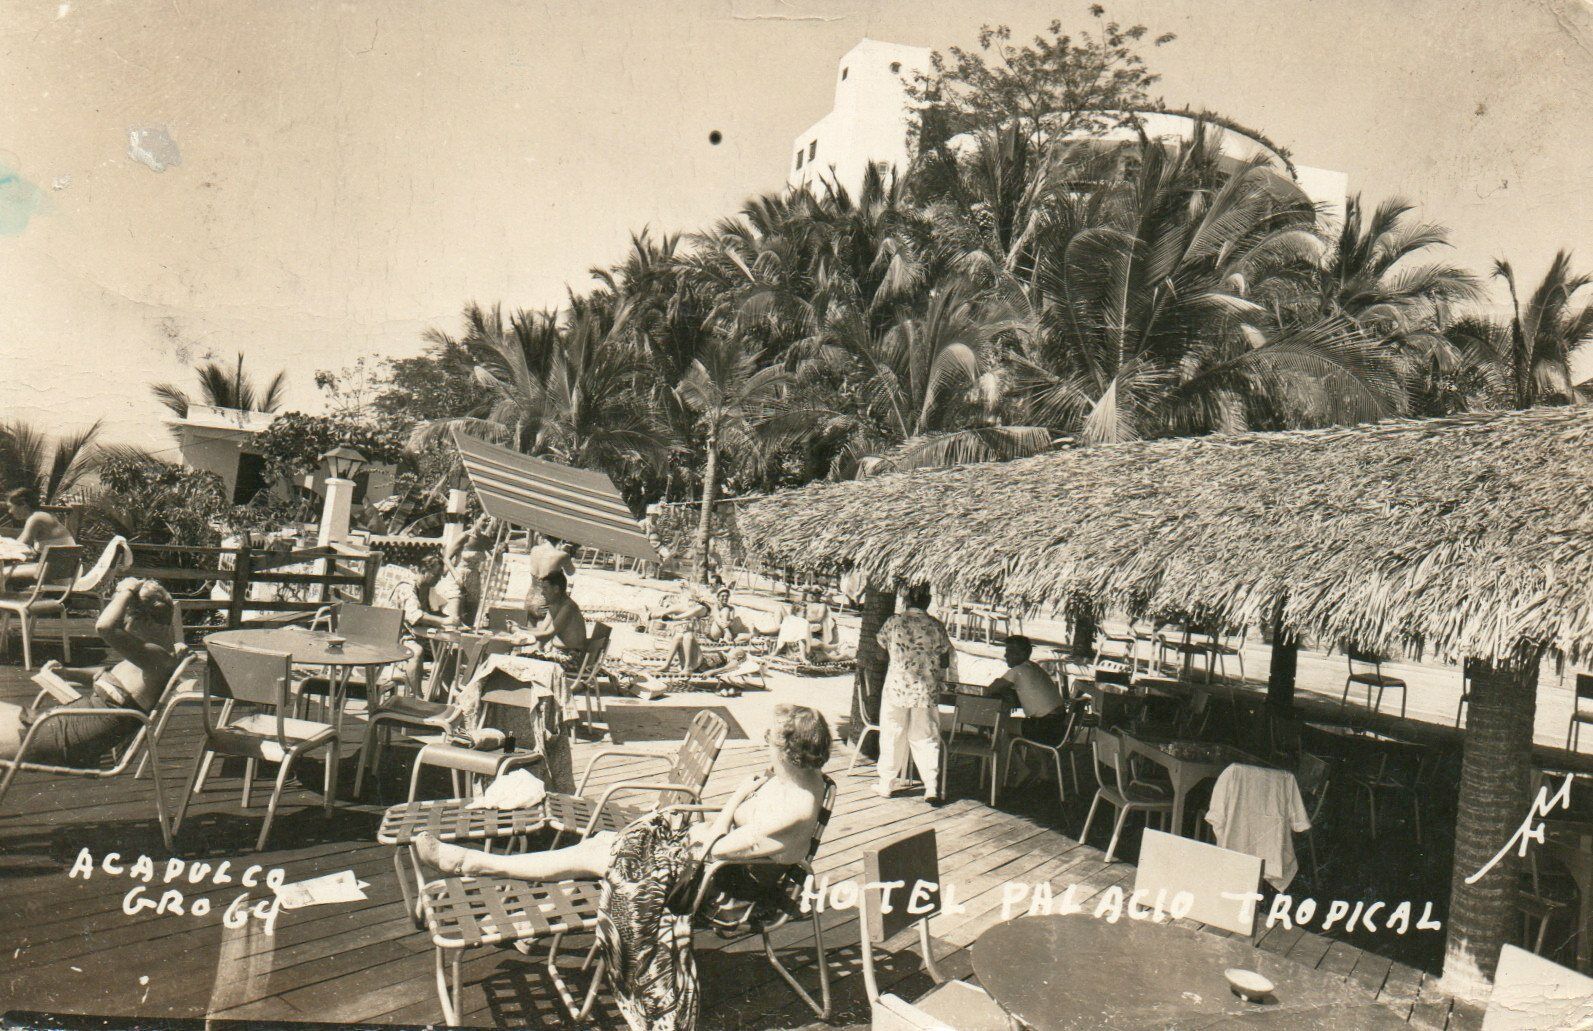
[{"x": 144, "y": 743}]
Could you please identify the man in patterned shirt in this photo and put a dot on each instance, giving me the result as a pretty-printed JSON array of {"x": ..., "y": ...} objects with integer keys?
[{"x": 920, "y": 655}]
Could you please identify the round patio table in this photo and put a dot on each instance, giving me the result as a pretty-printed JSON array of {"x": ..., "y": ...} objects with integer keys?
[{"x": 1076, "y": 973}]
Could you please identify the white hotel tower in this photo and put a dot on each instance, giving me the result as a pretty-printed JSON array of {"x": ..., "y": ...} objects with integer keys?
[{"x": 870, "y": 120}]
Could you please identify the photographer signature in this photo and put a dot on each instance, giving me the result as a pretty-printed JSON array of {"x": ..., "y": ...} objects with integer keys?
[{"x": 1532, "y": 828}]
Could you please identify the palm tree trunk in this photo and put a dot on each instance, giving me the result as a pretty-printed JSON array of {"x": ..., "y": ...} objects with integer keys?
[
  {"x": 1285, "y": 662},
  {"x": 710, "y": 491},
  {"x": 1495, "y": 796},
  {"x": 872, "y": 662}
]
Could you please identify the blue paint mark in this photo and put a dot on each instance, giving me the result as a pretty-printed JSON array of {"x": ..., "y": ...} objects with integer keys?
[{"x": 20, "y": 200}]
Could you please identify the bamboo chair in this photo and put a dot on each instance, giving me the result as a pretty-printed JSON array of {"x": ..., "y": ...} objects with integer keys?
[
  {"x": 144, "y": 743},
  {"x": 264, "y": 681},
  {"x": 59, "y": 565},
  {"x": 910, "y": 859}
]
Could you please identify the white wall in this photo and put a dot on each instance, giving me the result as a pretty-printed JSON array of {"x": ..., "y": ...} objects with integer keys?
[{"x": 870, "y": 118}]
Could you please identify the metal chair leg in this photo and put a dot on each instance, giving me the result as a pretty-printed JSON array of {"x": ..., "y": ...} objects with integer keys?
[
  {"x": 821, "y": 1008},
  {"x": 276, "y": 796},
  {"x": 1117, "y": 830},
  {"x": 448, "y": 994},
  {"x": 200, "y": 762}
]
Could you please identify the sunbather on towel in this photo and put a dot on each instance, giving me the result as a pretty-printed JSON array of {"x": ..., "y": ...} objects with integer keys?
[
  {"x": 770, "y": 819},
  {"x": 136, "y": 625}
]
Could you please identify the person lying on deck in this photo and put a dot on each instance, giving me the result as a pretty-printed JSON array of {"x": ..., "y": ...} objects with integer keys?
[
  {"x": 39, "y": 531},
  {"x": 687, "y": 602},
  {"x": 136, "y": 626},
  {"x": 771, "y": 818}
]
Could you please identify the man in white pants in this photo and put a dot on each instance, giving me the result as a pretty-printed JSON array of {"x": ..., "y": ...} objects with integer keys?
[{"x": 921, "y": 654}]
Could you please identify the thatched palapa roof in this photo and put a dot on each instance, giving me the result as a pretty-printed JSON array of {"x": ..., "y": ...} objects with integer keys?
[{"x": 1460, "y": 537}]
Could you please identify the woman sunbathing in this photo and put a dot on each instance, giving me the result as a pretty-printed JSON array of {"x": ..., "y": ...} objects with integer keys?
[
  {"x": 136, "y": 625},
  {"x": 771, "y": 818}
]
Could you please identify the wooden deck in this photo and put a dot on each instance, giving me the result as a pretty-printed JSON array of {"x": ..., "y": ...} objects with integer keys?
[{"x": 67, "y": 946}]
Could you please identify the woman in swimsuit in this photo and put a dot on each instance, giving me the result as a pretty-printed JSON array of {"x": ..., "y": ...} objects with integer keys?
[
  {"x": 771, "y": 818},
  {"x": 136, "y": 625}
]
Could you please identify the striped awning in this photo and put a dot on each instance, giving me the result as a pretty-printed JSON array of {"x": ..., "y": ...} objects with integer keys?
[{"x": 577, "y": 505}]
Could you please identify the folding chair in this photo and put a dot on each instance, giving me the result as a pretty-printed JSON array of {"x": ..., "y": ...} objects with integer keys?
[
  {"x": 467, "y": 912},
  {"x": 418, "y": 713},
  {"x": 585, "y": 686},
  {"x": 1366, "y": 669},
  {"x": 1075, "y": 714},
  {"x": 869, "y": 726},
  {"x": 987, "y": 719},
  {"x": 1120, "y": 791},
  {"x": 59, "y": 565},
  {"x": 144, "y": 743},
  {"x": 910, "y": 860},
  {"x": 262, "y": 680},
  {"x": 580, "y": 814}
]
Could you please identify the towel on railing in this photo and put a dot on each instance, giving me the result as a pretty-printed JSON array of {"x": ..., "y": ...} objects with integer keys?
[{"x": 1257, "y": 811}]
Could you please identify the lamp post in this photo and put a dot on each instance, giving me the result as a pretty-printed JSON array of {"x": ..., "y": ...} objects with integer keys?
[{"x": 341, "y": 465}]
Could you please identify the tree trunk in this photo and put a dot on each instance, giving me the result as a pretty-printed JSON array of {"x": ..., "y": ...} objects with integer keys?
[
  {"x": 1084, "y": 627},
  {"x": 872, "y": 661},
  {"x": 710, "y": 491},
  {"x": 1285, "y": 661},
  {"x": 1495, "y": 796}
]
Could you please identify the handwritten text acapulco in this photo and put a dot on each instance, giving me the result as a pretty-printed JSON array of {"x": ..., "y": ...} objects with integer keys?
[
  {"x": 158, "y": 893},
  {"x": 1020, "y": 899}
]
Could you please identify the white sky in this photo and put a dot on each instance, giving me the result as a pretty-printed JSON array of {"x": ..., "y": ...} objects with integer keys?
[{"x": 353, "y": 172}]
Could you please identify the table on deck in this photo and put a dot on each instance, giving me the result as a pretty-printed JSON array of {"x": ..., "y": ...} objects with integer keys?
[
  {"x": 1188, "y": 763},
  {"x": 1076, "y": 973}
]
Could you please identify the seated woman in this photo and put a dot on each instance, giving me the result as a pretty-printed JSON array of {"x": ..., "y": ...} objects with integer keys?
[
  {"x": 433, "y": 601},
  {"x": 733, "y": 667},
  {"x": 770, "y": 819},
  {"x": 810, "y": 630},
  {"x": 136, "y": 625},
  {"x": 39, "y": 531}
]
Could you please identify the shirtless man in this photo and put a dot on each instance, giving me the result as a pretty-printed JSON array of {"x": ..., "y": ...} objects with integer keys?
[
  {"x": 561, "y": 629},
  {"x": 39, "y": 530}
]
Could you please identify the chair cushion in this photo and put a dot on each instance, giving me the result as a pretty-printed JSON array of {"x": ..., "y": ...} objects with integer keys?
[
  {"x": 1376, "y": 680},
  {"x": 405, "y": 707},
  {"x": 964, "y": 1006}
]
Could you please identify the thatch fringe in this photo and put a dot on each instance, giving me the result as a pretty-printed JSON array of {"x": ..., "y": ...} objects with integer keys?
[{"x": 1462, "y": 537}]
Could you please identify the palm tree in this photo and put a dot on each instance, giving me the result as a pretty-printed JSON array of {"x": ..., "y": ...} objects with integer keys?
[
  {"x": 1158, "y": 308},
  {"x": 567, "y": 392},
  {"x": 733, "y": 397},
  {"x": 1529, "y": 354},
  {"x": 925, "y": 391},
  {"x": 28, "y": 458},
  {"x": 222, "y": 387}
]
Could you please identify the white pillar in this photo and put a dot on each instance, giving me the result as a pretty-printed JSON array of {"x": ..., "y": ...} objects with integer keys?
[
  {"x": 336, "y": 511},
  {"x": 454, "y": 527}
]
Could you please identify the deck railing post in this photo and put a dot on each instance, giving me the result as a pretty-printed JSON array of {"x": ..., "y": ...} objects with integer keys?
[{"x": 242, "y": 568}]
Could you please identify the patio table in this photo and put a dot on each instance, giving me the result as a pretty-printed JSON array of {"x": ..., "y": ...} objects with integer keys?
[
  {"x": 1188, "y": 763},
  {"x": 1571, "y": 842},
  {"x": 1076, "y": 973}
]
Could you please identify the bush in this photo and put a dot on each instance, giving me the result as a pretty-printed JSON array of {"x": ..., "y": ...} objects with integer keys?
[
  {"x": 295, "y": 442},
  {"x": 156, "y": 502}
]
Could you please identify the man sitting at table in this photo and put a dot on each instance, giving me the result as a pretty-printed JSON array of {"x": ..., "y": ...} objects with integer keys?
[
  {"x": 1045, "y": 705},
  {"x": 560, "y": 633}
]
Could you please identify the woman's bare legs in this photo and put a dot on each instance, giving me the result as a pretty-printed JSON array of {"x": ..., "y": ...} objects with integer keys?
[
  {"x": 684, "y": 648},
  {"x": 588, "y": 858}
]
